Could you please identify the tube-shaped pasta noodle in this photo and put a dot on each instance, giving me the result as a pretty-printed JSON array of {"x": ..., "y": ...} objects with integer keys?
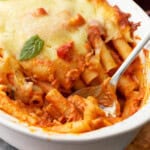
[
  {"x": 126, "y": 85},
  {"x": 100, "y": 48},
  {"x": 78, "y": 101},
  {"x": 122, "y": 47},
  {"x": 93, "y": 118},
  {"x": 107, "y": 59},
  {"x": 43, "y": 69},
  {"x": 79, "y": 84},
  {"x": 96, "y": 66},
  {"x": 89, "y": 75},
  {"x": 36, "y": 96},
  {"x": 45, "y": 86},
  {"x": 115, "y": 56},
  {"x": 91, "y": 72},
  {"x": 102, "y": 73},
  {"x": 51, "y": 110},
  {"x": 95, "y": 31},
  {"x": 61, "y": 104},
  {"x": 132, "y": 104},
  {"x": 19, "y": 110},
  {"x": 36, "y": 99}
]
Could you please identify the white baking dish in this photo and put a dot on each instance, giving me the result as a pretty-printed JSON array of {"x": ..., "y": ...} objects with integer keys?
[{"x": 115, "y": 137}]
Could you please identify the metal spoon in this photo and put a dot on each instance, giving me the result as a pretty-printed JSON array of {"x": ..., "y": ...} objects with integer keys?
[{"x": 96, "y": 91}]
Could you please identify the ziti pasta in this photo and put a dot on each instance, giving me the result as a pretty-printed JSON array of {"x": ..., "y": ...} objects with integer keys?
[{"x": 51, "y": 48}]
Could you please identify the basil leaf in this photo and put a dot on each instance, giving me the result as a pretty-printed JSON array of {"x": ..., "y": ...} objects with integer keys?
[{"x": 31, "y": 48}]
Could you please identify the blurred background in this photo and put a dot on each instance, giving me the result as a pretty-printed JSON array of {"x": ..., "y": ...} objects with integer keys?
[{"x": 145, "y": 4}]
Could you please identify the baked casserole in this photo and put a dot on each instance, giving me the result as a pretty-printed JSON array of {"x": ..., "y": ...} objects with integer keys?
[{"x": 51, "y": 48}]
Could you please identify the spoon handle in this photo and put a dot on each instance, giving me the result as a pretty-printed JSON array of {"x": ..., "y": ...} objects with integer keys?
[{"x": 129, "y": 60}]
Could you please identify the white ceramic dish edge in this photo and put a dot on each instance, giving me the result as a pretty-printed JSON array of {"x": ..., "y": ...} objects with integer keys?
[{"x": 131, "y": 124}]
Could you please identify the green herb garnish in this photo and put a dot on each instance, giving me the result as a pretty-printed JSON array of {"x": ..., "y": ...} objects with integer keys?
[{"x": 31, "y": 48}]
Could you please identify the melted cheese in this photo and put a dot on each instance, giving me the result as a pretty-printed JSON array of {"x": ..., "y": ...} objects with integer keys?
[
  {"x": 18, "y": 24},
  {"x": 32, "y": 90}
]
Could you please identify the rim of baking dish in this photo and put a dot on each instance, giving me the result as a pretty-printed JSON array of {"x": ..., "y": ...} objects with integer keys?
[{"x": 133, "y": 122}]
